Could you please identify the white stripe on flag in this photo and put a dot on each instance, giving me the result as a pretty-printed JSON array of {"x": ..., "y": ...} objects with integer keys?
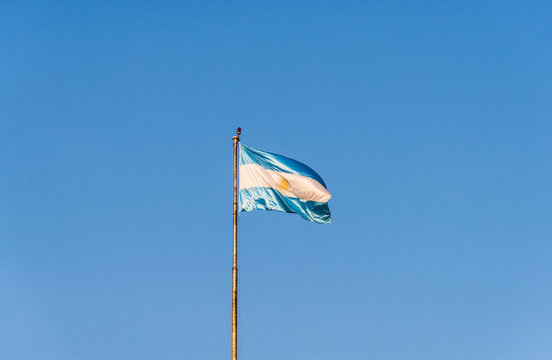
[{"x": 289, "y": 185}]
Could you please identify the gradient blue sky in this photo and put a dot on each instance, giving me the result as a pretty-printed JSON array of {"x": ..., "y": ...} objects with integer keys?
[{"x": 430, "y": 122}]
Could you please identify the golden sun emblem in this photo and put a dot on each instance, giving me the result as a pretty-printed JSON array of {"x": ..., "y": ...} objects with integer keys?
[{"x": 284, "y": 184}]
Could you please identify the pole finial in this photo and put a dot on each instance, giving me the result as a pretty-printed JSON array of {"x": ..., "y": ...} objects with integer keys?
[{"x": 236, "y": 137}]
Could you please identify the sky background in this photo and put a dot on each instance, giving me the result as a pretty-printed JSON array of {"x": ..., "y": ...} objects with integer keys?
[{"x": 430, "y": 122}]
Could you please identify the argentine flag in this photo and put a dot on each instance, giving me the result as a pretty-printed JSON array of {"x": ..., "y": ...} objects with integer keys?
[{"x": 273, "y": 182}]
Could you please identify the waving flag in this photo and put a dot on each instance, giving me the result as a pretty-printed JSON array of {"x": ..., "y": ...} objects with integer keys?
[{"x": 274, "y": 182}]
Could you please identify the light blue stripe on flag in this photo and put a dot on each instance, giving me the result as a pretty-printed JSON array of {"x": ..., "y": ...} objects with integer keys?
[{"x": 277, "y": 183}]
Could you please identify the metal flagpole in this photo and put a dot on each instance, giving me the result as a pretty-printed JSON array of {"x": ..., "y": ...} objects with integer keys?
[{"x": 235, "y": 260}]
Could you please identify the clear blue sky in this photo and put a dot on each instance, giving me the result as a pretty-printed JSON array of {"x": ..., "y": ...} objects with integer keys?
[{"x": 430, "y": 122}]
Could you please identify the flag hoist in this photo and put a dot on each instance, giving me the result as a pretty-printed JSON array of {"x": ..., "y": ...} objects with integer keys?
[{"x": 272, "y": 182}]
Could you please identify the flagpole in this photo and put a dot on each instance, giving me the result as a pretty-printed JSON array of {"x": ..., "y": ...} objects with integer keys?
[{"x": 236, "y": 140}]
